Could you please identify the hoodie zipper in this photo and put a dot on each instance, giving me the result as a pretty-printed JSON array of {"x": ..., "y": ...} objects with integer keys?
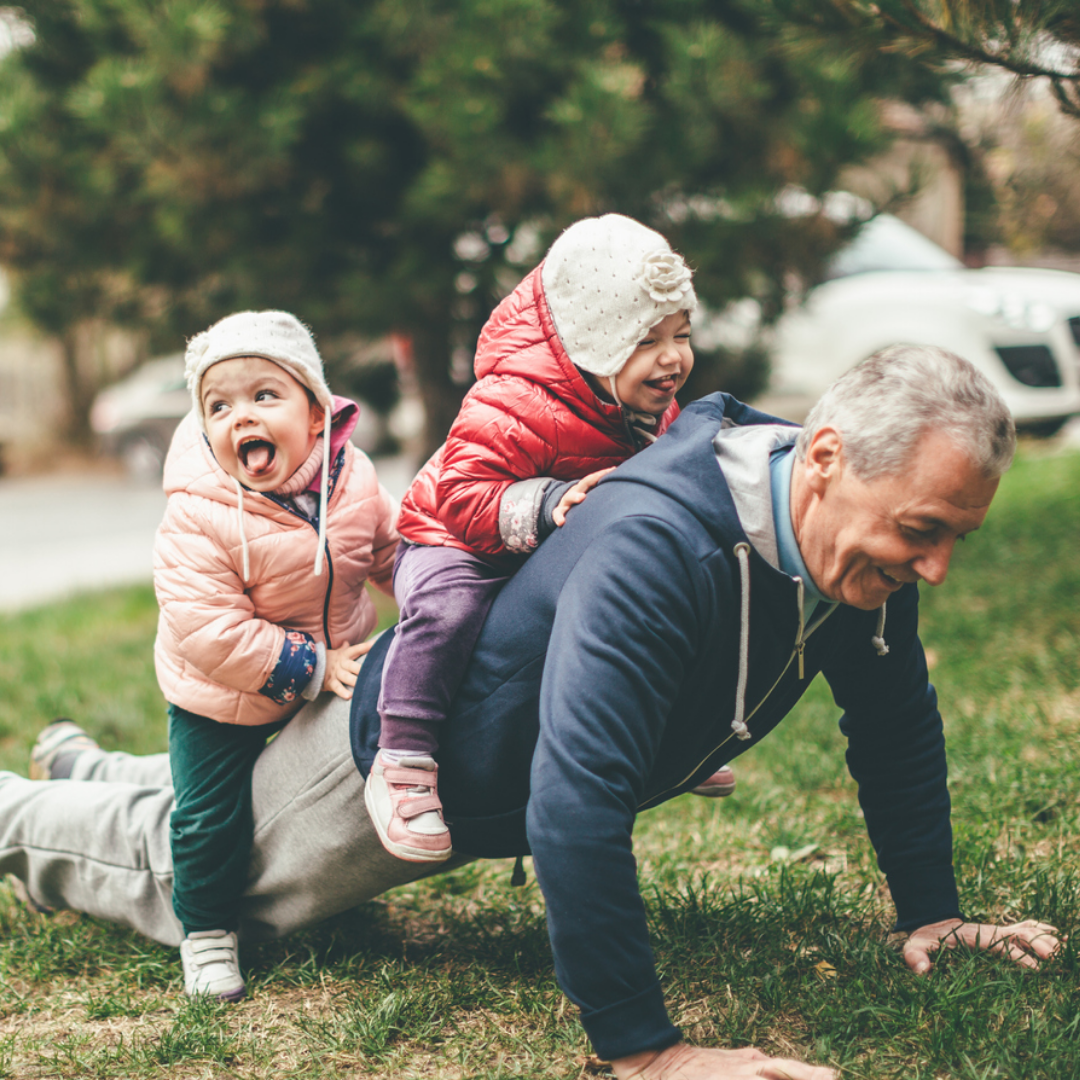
[{"x": 801, "y": 637}]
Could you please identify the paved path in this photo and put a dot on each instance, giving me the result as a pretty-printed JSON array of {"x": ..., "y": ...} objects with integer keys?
[{"x": 68, "y": 533}]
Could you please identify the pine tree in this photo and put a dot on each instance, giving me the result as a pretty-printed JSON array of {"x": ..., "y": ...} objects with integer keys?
[
  {"x": 380, "y": 166},
  {"x": 1032, "y": 39}
]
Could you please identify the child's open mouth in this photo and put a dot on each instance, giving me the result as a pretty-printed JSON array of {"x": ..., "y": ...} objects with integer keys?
[{"x": 256, "y": 455}]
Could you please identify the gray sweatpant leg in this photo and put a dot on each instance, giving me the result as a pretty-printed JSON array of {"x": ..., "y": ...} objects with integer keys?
[{"x": 99, "y": 842}]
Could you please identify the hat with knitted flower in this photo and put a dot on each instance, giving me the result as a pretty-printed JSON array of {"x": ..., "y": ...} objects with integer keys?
[
  {"x": 608, "y": 280},
  {"x": 276, "y": 336}
]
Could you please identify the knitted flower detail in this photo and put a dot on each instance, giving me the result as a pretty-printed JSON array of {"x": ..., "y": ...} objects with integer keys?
[{"x": 664, "y": 276}]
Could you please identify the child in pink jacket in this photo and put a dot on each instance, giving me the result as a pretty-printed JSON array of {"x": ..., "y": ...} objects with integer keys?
[{"x": 259, "y": 568}]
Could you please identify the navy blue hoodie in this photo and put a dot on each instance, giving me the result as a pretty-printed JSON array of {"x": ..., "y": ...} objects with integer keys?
[{"x": 604, "y": 683}]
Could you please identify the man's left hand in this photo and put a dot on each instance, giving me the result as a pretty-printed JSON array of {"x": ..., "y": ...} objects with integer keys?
[{"x": 1026, "y": 943}]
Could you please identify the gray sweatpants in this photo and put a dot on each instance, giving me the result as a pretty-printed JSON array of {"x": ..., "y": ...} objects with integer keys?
[{"x": 99, "y": 842}]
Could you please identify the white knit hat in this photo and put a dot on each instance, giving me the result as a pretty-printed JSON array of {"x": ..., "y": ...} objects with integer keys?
[
  {"x": 608, "y": 280},
  {"x": 284, "y": 340},
  {"x": 273, "y": 335}
]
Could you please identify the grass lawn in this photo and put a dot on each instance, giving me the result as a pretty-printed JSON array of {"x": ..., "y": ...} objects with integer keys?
[{"x": 769, "y": 916}]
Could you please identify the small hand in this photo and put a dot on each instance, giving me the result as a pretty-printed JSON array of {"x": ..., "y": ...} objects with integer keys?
[
  {"x": 1026, "y": 943},
  {"x": 572, "y": 496},
  {"x": 342, "y": 667},
  {"x": 683, "y": 1062}
]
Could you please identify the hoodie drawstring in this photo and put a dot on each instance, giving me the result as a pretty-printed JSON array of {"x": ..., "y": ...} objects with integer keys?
[
  {"x": 878, "y": 640},
  {"x": 240, "y": 525},
  {"x": 800, "y": 641},
  {"x": 738, "y": 725}
]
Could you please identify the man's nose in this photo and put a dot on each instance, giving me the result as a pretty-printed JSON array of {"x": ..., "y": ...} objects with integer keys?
[{"x": 933, "y": 565}]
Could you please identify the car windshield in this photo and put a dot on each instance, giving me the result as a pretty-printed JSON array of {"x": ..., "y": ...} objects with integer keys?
[{"x": 886, "y": 243}]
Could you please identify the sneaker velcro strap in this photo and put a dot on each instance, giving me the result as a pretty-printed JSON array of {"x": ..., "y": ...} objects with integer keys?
[
  {"x": 409, "y": 777},
  {"x": 219, "y": 956},
  {"x": 410, "y": 808}
]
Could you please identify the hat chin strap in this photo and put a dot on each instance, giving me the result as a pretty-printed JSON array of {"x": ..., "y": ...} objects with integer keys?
[
  {"x": 614, "y": 392},
  {"x": 632, "y": 419}
]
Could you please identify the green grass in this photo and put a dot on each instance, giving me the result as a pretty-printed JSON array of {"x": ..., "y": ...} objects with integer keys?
[{"x": 453, "y": 978}]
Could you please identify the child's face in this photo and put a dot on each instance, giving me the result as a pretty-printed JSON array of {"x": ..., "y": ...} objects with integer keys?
[
  {"x": 261, "y": 425},
  {"x": 658, "y": 367}
]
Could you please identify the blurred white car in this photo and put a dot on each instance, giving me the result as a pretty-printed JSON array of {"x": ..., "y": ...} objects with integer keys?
[
  {"x": 1019, "y": 325},
  {"x": 136, "y": 417}
]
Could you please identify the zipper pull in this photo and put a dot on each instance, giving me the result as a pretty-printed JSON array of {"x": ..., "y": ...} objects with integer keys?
[{"x": 800, "y": 648}]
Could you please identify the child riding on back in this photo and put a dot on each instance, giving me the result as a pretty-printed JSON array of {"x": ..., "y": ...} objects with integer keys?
[{"x": 577, "y": 370}]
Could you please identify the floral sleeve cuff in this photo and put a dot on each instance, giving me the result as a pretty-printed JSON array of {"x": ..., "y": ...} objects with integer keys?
[
  {"x": 294, "y": 669},
  {"x": 519, "y": 514}
]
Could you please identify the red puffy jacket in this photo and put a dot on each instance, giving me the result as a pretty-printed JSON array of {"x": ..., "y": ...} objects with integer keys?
[{"x": 530, "y": 414}]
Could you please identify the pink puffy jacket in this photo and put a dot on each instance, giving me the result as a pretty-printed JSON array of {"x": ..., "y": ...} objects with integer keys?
[{"x": 218, "y": 640}]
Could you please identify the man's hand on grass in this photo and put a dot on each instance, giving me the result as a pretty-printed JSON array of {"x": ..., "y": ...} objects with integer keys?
[
  {"x": 576, "y": 494},
  {"x": 683, "y": 1062},
  {"x": 1027, "y": 943},
  {"x": 342, "y": 667}
]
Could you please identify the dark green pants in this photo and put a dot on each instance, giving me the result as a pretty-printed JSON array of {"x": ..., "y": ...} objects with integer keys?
[{"x": 211, "y": 827}]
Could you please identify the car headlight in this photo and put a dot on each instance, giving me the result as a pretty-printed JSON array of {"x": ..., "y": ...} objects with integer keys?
[{"x": 1012, "y": 309}]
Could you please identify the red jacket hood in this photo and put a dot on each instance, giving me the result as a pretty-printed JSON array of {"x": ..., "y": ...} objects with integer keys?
[
  {"x": 531, "y": 413},
  {"x": 520, "y": 339}
]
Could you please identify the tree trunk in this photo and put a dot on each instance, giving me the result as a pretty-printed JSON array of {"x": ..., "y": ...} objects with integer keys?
[
  {"x": 439, "y": 393},
  {"x": 80, "y": 390}
]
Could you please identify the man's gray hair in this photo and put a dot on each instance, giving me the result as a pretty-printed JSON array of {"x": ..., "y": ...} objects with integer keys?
[{"x": 884, "y": 406}]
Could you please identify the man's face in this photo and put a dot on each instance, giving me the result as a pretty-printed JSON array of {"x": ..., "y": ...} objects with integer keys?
[{"x": 863, "y": 540}]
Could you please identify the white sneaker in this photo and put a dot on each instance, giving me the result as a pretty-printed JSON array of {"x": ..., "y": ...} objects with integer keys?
[{"x": 211, "y": 965}]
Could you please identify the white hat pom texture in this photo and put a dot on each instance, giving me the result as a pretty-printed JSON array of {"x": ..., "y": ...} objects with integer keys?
[{"x": 607, "y": 281}]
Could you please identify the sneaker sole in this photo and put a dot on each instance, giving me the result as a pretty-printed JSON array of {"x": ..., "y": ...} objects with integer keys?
[
  {"x": 60, "y": 737},
  {"x": 401, "y": 851},
  {"x": 715, "y": 791}
]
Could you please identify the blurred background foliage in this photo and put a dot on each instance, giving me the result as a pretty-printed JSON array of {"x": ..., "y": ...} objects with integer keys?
[{"x": 380, "y": 167}]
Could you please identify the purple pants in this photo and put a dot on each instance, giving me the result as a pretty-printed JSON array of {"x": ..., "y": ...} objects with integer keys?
[{"x": 443, "y": 594}]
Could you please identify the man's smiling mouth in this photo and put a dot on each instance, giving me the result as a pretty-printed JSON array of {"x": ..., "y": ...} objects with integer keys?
[{"x": 256, "y": 455}]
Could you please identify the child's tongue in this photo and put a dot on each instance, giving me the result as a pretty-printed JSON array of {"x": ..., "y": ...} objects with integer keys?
[{"x": 257, "y": 457}]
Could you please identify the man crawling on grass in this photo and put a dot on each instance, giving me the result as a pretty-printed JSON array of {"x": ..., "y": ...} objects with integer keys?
[{"x": 671, "y": 624}]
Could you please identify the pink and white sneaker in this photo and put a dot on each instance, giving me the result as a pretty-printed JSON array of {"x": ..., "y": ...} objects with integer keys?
[
  {"x": 402, "y": 799},
  {"x": 720, "y": 784}
]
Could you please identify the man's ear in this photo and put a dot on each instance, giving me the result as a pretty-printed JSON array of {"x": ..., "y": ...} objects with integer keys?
[{"x": 824, "y": 459}]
